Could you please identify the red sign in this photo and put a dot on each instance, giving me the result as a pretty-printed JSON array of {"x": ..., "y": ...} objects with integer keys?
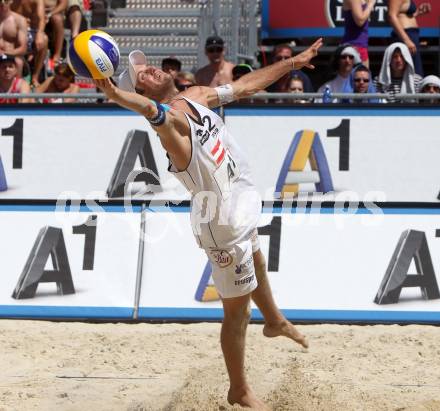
[{"x": 288, "y": 15}]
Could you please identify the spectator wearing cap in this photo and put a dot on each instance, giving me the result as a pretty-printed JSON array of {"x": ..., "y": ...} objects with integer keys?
[
  {"x": 11, "y": 82},
  {"x": 62, "y": 82},
  {"x": 430, "y": 85},
  {"x": 284, "y": 52},
  {"x": 13, "y": 32},
  {"x": 356, "y": 14},
  {"x": 397, "y": 74},
  {"x": 171, "y": 65},
  {"x": 218, "y": 71},
  {"x": 184, "y": 80},
  {"x": 37, "y": 41},
  {"x": 345, "y": 58}
]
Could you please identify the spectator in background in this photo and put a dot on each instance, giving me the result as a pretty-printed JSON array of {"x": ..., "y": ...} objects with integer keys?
[
  {"x": 397, "y": 73},
  {"x": 13, "y": 31},
  {"x": 345, "y": 58},
  {"x": 430, "y": 85},
  {"x": 218, "y": 71},
  {"x": 296, "y": 86},
  {"x": 62, "y": 82},
  {"x": 10, "y": 81},
  {"x": 37, "y": 42},
  {"x": 356, "y": 15},
  {"x": 74, "y": 14},
  {"x": 402, "y": 16},
  {"x": 240, "y": 70},
  {"x": 171, "y": 65},
  {"x": 55, "y": 10},
  {"x": 283, "y": 52},
  {"x": 360, "y": 81},
  {"x": 184, "y": 80}
]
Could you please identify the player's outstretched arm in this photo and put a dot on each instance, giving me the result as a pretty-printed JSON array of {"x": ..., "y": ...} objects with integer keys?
[
  {"x": 258, "y": 80},
  {"x": 135, "y": 102}
]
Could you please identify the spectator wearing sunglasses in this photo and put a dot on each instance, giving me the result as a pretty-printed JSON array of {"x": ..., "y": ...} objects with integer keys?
[
  {"x": 218, "y": 71},
  {"x": 345, "y": 58},
  {"x": 360, "y": 81},
  {"x": 430, "y": 85},
  {"x": 184, "y": 80},
  {"x": 284, "y": 52}
]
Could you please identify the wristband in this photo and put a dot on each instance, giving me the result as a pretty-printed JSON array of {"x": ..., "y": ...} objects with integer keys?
[
  {"x": 161, "y": 116},
  {"x": 225, "y": 94}
]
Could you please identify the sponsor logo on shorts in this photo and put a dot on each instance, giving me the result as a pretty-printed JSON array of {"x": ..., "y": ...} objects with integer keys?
[
  {"x": 244, "y": 266},
  {"x": 222, "y": 258},
  {"x": 244, "y": 281}
]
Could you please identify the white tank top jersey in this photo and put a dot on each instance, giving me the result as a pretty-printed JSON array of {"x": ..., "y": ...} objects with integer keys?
[{"x": 225, "y": 204}]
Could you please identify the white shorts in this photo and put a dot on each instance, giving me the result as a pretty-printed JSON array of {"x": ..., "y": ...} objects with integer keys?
[{"x": 233, "y": 268}]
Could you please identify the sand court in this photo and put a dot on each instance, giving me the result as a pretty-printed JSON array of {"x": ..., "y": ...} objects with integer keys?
[{"x": 80, "y": 366}]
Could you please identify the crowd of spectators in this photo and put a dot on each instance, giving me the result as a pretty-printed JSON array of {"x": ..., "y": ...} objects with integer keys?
[{"x": 33, "y": 40}]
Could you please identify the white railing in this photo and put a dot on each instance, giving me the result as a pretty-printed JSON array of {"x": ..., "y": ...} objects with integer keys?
[{"x": 288, "y": 97}]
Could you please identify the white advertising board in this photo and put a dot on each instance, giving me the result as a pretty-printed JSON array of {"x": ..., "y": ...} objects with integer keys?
[
  {"x": 378, "y": 154},
  {"x": 390, "y": 155},
  {"x": 328, "y": 266},
  {"x": 76, "y": 155},
  {"x": 77, "y": 264}
]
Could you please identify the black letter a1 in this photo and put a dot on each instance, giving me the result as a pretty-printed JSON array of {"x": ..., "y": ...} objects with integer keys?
[
  {"x": 50, "y": 241},
  {"x": 136, "y": 144},
  {"x": 412, "y": 244}
]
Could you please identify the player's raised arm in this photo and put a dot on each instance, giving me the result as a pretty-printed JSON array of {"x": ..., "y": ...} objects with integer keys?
[
  {"x": 135, "y": 102},
  {"x": 258, "y": 80}
]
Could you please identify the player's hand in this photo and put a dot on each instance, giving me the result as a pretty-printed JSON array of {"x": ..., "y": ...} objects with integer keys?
[
  {"x": 303, "y": 59},
  {"x": 107, "y": 87}
]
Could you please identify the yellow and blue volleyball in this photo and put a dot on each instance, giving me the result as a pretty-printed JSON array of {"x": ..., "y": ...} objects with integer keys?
[{"x": 93, "y": 54}]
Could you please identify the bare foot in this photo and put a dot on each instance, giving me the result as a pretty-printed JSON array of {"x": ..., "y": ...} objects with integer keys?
[
  {"x": 286, "y": 329},
  {"x": 246, "y": 398}
]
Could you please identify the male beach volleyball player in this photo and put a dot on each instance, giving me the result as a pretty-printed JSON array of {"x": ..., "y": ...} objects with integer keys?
[{"x": 208, "y": 162}]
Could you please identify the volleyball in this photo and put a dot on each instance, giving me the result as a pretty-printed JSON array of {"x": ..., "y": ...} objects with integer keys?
[{"x": 93, "y": 54}]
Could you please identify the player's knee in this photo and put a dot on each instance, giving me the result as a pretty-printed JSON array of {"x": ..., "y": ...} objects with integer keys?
[
  {"x": 57, "y": 19},
  {"x": 239, "y": 313},
  {"x": 45, "y": 41}
]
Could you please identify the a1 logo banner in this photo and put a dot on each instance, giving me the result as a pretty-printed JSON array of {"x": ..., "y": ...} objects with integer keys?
[{"x": 78, "y": 264}]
